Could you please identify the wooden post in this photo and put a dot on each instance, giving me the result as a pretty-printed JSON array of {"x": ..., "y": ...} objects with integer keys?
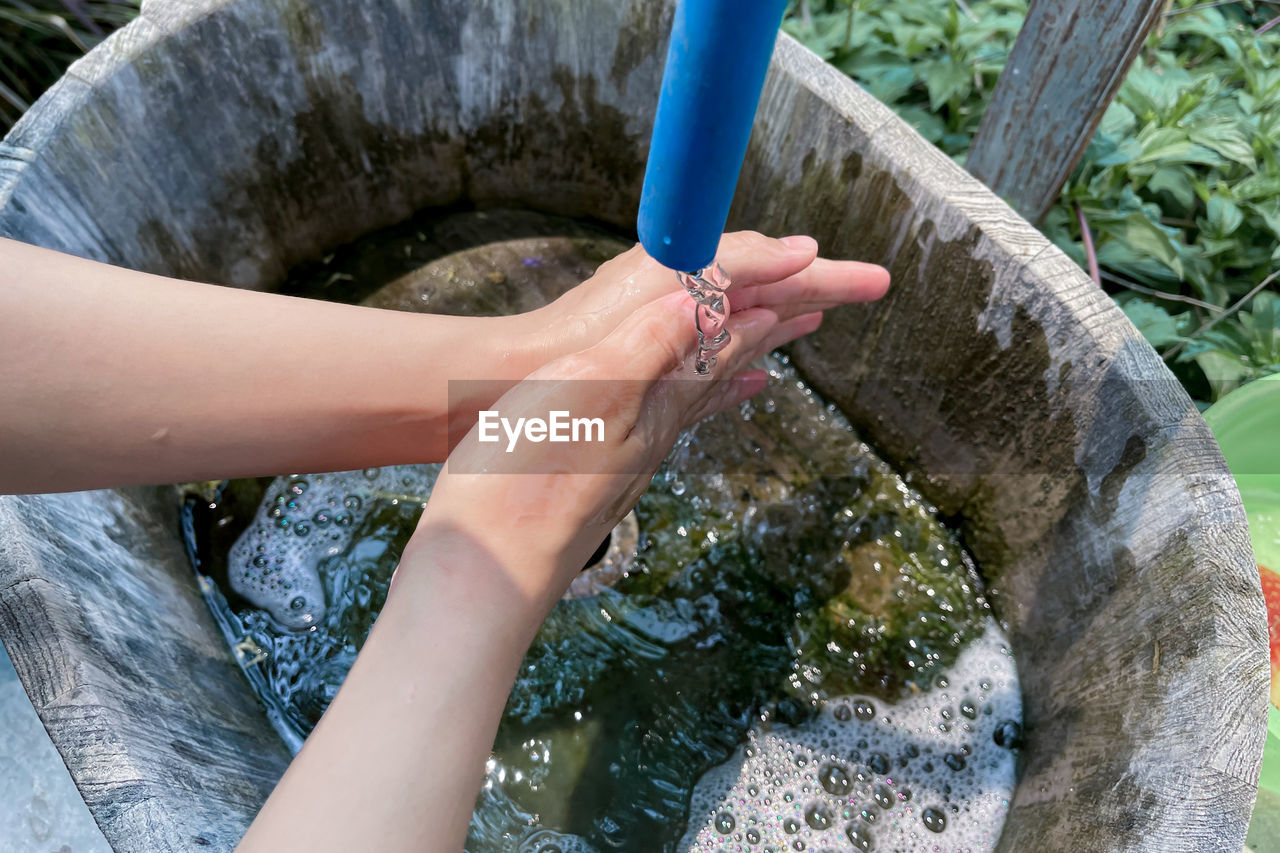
[{"x": 1066, "y": 66}]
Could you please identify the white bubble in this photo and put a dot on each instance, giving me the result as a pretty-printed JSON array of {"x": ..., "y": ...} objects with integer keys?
[
  {"x": 896, "y": 770},
  {"x": 275, "y": 564}
]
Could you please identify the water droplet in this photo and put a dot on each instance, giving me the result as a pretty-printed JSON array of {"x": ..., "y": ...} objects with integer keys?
[
  {"x": 860, "y": 838},
  {"x": 818, "y": 816},
  {"x": 878, "y": 763},
  {"x": 724, "y": 823},
  {"x": 352, "y": 502},
  {"x": 297, "y": 487},
  {"x": 864, "y": 710},
  {"x": 842, "y": 713},
  {"x": 1008, "y": 734},
  {"x": 883, "y": 796},
  {"x": 790, "y": 826},
  {"x": 934, "y": 819},
  {"x": 259, "y": 562},
  {"x": 969, "y": 709},
  {"x": 297, "y": 603},
  {"x": 954, "y": 760},
  {"x": 834, "y": 780},
  {"x": 301, "y": 528}
]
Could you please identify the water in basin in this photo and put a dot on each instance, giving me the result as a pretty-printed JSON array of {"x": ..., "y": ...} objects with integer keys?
[{"x": 783, "y": 648}]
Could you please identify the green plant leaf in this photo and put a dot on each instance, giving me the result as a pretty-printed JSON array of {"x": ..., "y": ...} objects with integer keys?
[
  {"x": 1228, "y": 139},
  {"x": 927, "y": 123},
  {"x": 1153, "y": 321},
  {"x": 945, "y": 80},
  {"x": 1177, "y": 182},
  {"x": 1117, "y": 153},
  {"x": 1224, "y": 216},
  {"x": 1147, "y": 238},
  {"x": 1224, "y": 371},
  {"x": 1118, "y": 120}
]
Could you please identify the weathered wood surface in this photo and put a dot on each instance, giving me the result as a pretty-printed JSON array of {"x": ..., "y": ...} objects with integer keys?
[
  {"x": 121, "y": 657},
  {"x": 1067, "y": 64},
  {"x": 229, "y": 140}
]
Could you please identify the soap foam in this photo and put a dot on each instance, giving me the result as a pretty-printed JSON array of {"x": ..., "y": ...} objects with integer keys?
[
  {"x": 303, "y": 520},
  {"x": 934, "y": 771}
]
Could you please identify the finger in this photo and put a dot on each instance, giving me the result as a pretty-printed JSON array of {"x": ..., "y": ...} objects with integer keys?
[
  {"x": 819, "y": 286},
  {"x": 748, "y": 257},
  {"x": 745, "y": 339},
  {"x": 687, "y": 393},
  {"x": 656, "y": 340},
  {"x": 748, "y": 349},
  {"x": 786, "y": 332},
  {"x": 626, "y": 265},
  {"x": 730, "y": 393},
  {"x": 747, "y": 332},
  {"x": 751, "y": 258}
]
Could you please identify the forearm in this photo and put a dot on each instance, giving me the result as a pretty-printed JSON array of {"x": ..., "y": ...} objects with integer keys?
[
  {"x": 111, "y": 377},
  {"x": 397, "y": 760}
]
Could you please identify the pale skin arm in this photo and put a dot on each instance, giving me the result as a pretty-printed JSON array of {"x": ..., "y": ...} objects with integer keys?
[{"x": 110, "y": 377}]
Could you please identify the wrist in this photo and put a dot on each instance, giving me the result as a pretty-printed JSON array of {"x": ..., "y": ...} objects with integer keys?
[{"x": 474, "y": 568}]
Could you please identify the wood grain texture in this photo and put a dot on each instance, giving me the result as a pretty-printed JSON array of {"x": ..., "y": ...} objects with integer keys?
[
  {"x": 1067, "y": 64},
  {"x": 229, "y": 140}
]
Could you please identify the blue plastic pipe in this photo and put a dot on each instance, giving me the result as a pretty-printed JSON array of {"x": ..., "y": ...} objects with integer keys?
[{"x": 716, "y": 64}]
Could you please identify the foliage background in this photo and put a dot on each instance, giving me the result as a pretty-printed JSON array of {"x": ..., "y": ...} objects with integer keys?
[
  {"x": 1180, "y": 188},
  {"x": 40, "y": 38}
]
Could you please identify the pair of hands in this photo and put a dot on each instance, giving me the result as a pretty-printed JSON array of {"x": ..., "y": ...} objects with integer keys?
[
  {"x": 504, "y": 533},
  {"x": 619, "y": 348}
]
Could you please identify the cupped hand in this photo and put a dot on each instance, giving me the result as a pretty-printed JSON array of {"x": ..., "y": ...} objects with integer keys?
[
  {"x": 784, "y": 275},
  {"x": 539, "y": 509}
]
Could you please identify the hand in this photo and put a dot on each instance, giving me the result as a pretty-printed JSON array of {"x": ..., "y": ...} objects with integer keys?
[
  {"x": 783, "y": 275},
  {"x": 544, "y": 507}
]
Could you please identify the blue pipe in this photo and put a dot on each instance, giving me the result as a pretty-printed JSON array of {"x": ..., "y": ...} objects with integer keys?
[{"x": 716, "y": 64}]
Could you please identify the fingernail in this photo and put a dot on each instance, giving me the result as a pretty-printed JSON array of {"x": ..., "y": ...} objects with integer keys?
[{"x": 798, "y": 242}]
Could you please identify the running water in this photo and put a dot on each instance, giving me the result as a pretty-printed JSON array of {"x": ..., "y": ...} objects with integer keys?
[{"x": 707, "y": 286}]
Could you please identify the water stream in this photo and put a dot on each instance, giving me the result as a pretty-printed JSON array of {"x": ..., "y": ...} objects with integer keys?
[{"x": 707, "y": 287}]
